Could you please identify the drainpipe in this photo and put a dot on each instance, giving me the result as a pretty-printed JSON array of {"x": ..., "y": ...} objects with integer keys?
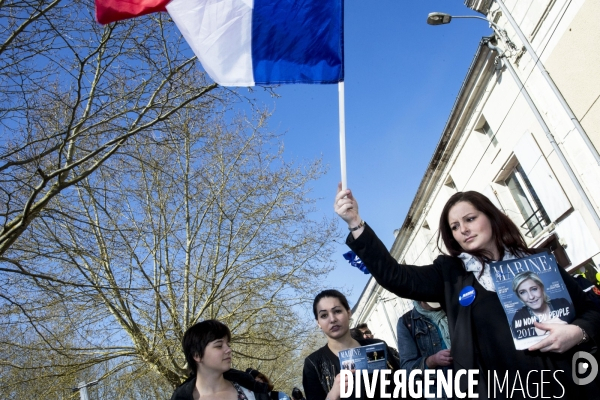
[
  {"x": 549, "y": 135},
  {"x": 550, "y": 82}
]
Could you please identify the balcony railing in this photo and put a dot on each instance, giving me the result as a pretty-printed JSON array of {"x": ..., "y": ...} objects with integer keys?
[{"x": 535, "y": 223}]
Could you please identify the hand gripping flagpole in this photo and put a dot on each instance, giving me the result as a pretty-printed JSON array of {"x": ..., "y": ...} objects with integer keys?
[{"x": 342, "y": 134}]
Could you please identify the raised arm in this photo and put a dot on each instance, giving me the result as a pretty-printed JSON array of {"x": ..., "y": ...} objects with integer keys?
[
  {"x": 409, "y": 281},
  {"x": 346, "y": 207}
]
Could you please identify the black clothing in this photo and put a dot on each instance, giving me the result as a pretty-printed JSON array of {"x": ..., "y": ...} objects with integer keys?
[
  {"x": 589, "y": 288},
  {"x": 322, "y": 366},
  {"x": 261, "y": 390},
  {"x": 480, "y": 335},
  {"x": 393, "y": 354}
]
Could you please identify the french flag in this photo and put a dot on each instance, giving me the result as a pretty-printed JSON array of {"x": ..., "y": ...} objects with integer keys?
[{"x": 261, "y": 42}]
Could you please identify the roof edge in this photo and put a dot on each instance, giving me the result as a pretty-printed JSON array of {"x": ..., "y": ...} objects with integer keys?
[{"x": 444, "y": 147}]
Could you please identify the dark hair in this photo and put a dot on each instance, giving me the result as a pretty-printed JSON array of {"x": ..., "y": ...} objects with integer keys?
[
  {"x": 257, "y": 374},
  {"x": 362, "y": 326},
  {"x": 356, "y": 334},
  {"x": 198, "y": 336},
  {"x": 297, "y": 394},
  {"x": 330, "y": 293},
  {"x": 505, "y": 233}
]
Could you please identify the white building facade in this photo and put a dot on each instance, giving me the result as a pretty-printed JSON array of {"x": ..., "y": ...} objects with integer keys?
[{"x": 524, "y": 131}]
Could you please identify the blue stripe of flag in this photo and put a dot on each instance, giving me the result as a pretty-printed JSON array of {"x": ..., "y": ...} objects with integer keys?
[{"x": 297, "y": 41}]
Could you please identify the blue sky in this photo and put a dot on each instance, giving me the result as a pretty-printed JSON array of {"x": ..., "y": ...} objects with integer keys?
[{"x": 401, "y": 78}]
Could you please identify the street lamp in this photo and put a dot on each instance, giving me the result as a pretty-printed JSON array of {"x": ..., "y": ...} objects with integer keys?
[{"x": 440, "y": 18}]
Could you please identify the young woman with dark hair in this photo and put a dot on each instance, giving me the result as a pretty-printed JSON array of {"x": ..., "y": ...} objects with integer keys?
[
  {"x": 505, "y": 234},
  {"x": 260, "y": 377},
  {"x": 474, "y": 232},
  {"x": 321, "y": 374},
  {"x": 208, "y": 355}
]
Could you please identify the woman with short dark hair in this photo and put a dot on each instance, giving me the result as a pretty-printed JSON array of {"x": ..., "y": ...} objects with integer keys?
[{"x": 208, "y": 355}]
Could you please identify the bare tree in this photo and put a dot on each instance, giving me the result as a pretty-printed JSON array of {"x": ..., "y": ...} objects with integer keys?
[
  {"x": 202, "y": 219},
  {"x": 72, "y": 93}
]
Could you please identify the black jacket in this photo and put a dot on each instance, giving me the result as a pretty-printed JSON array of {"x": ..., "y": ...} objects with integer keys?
[
  {"x": 261, "y": 390},
  {"x": 481, "y": 337},
  {"x": 322, "y": 366}
]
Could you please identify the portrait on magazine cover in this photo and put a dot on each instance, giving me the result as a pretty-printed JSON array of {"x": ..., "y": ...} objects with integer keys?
[{"x": 537, "y": 306}]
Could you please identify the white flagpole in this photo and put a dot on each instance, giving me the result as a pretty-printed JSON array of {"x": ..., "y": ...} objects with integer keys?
[{"x": 342, "y": 135}]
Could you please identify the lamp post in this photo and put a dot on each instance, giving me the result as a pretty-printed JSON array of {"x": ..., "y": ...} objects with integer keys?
[
  {"x": 82, "y": 389},
  {"x": 438, "y": 18}
]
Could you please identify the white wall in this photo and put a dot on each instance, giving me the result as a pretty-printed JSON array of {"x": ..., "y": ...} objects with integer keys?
[{"x": 475, "y": 164}]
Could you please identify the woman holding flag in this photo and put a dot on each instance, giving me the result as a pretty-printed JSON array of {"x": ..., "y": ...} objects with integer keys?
[{"x": 474, "y": 232}]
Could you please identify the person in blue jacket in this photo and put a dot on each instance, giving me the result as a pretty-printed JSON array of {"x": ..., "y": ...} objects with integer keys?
[{"x": 424, "y": 342}]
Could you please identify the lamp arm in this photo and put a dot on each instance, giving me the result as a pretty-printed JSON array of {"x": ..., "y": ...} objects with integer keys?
[
  {"x": 477, "y": 17},
  {"x": 493, "y": 25}
]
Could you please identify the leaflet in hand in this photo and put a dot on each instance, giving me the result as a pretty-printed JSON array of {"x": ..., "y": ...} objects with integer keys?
[
  {"x": 532, "y": 290},
  {"x": 369, "y": 357}
]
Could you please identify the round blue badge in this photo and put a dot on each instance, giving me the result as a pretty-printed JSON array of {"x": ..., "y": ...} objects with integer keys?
[{"x": 466, "y": 296}]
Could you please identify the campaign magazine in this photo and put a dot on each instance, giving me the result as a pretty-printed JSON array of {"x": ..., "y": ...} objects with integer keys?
[
  {"x": 531, "y": 289},
  {"x": 369, "y": 357}
]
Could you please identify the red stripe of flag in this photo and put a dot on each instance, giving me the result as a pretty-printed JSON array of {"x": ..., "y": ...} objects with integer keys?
[{"x": 108, "y": 11}]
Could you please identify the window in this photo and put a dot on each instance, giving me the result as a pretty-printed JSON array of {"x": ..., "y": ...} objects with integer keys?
[
  {"x": 449, "y": 186},
  {"x": 450, "y": 183},
  {"x": 527, "y": 202},
  {"x": 487, "y": 131}
]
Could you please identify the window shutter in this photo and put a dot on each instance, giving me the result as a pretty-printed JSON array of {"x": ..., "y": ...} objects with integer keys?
[{"x": 545, "y": 184}]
